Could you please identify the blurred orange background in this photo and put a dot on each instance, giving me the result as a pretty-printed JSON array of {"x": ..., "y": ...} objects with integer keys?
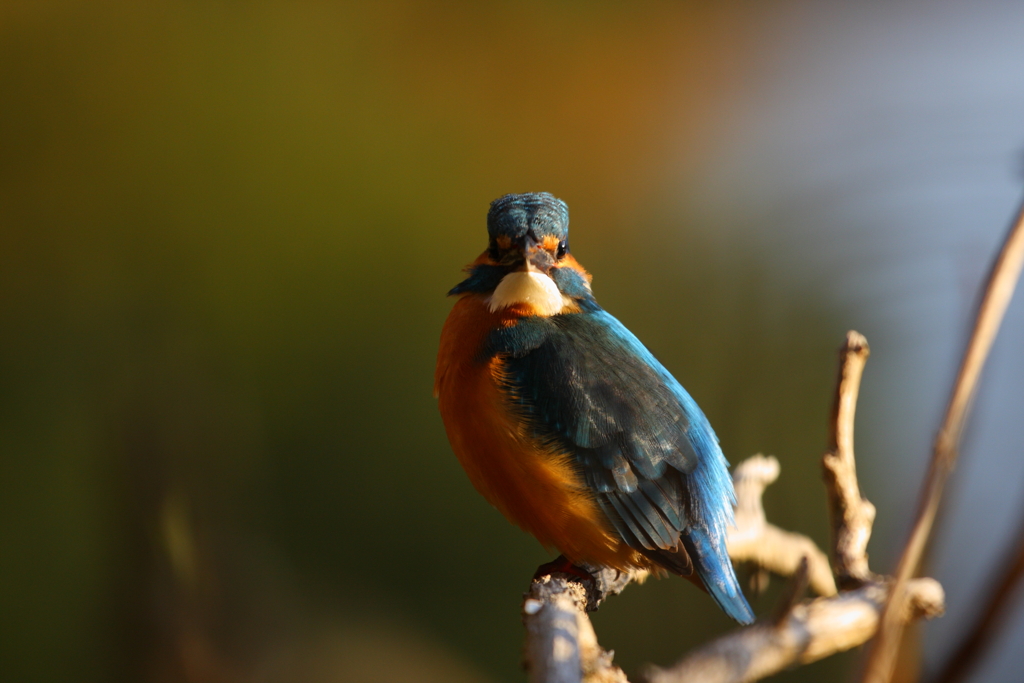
[{"x": 227, "y": 229}]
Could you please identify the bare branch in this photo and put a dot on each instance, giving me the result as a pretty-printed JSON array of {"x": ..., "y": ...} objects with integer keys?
[
  {"x": 755, "y": 540},
  {"x": 809, "y": 632},
  {"x": 1002, "y": 282},
  {"x": 852, "y": 516},
  {"x": 561, "y": 646},
  {"x": 595, "y": 661},
  {"x": 551, "y": 615}
]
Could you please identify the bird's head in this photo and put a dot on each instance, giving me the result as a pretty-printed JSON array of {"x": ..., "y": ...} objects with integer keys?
[
  {"x": 527, "y": 261},
  {"x": 528, "y": 231}
]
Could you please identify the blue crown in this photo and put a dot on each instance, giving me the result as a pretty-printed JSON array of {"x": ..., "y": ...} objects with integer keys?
[{"x": 515, "y": 214}]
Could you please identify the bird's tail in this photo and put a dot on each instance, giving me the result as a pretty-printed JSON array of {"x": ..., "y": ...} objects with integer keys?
[{"x": 711, "y": 560}]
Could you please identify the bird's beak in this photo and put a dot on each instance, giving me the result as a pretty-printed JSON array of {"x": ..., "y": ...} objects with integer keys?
[{"x": 535, "y": 256}]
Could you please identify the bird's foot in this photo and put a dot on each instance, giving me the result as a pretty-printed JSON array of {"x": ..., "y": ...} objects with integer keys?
[{"x": 561, "y": 565}]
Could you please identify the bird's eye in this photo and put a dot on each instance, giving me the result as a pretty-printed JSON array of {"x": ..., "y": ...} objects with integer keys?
[{"x": 563, "y": 248}]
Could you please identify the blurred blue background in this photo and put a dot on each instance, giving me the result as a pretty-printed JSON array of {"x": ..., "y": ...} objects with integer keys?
[{"x": 227, "y": 228}]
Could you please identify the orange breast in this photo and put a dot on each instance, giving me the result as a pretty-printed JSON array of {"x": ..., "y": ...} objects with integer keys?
[{"x": 534, "y": 486}]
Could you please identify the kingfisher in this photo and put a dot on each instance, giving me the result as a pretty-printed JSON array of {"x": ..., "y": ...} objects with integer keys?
[{"x": 567, "y": 424}]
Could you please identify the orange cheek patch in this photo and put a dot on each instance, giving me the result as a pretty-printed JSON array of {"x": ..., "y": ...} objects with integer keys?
[{"x": 550, "y": 243}]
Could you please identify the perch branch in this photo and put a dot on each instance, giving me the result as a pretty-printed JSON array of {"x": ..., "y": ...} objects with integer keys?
[
  {"x": 551, "y": 615},
  {"x": 851, "y": 515},
  {"x": 809, "y": 632},
  {"x": 1002, "y": 281},
  {"x": 561, "y": 646}
]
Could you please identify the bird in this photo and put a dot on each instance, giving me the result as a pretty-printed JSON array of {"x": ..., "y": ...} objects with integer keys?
[{"x": 566, "y": 423}]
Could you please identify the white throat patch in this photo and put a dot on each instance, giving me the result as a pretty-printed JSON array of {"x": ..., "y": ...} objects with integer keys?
[{"x": 532, "y": 288}]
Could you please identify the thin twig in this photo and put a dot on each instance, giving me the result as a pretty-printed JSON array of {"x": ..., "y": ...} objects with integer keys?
[
  {"x": 852, "y": 516},
  {"x": 1001, "y": 283},
  {"x": 996, "y": 608},
  {"x": 795, "y": 590}
]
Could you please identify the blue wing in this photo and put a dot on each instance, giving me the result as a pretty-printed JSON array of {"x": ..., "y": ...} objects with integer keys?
[{"x": 642, "y": 444}]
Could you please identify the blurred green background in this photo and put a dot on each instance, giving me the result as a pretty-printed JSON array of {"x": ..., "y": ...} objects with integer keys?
[{"x": 227, "y": 231}]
